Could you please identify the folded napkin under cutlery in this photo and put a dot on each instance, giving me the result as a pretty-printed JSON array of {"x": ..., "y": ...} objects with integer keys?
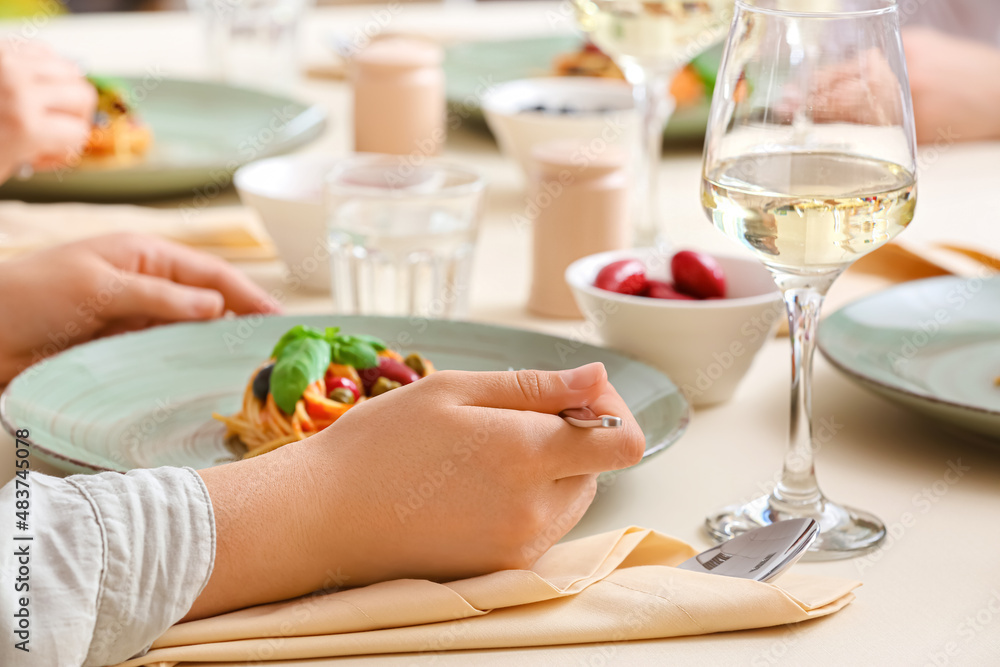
[
  {"x": 614, "y": 586},
  {"x": 232, "y": 232}
]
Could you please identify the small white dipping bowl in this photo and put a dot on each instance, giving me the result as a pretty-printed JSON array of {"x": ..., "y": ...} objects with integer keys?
[
  {"x": 603, "y": 114},
  {"x": 705, "y": 347},
  {"x": 287, "y": 193}
]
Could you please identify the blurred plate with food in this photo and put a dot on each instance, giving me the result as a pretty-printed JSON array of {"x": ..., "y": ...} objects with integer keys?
[
  {"x": 473, "y": 68},
  {"x": 168, "y": 137},
  {"x": 202, "y": 394}
]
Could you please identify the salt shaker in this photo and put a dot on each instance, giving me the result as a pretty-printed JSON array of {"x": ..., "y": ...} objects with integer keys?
[
  {"x": 579, "y": 200},
  {"x": 399, "y": 97}
]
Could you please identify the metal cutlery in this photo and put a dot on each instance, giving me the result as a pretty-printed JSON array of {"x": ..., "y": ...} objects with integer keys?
[{"x": 760, "y": 554}]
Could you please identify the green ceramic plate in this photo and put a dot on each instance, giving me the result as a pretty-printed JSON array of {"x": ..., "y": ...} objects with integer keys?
[
  {"x": 930, "y": 345},
  {"x": 472, "y": 68},
  {"x": 202, "y": 132},
  {"x": 146, "y": 399}
]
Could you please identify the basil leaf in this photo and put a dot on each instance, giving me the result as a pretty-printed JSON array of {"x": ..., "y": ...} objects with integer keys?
[
  {"x": 302, "y": 362},
  {"x": 331, "y": 334},
  {"x": 376, "y": 343},
  {"x": 297, "y": 332},
  {"x": 335, "y": 348},
  {"x": 357, "y": 354},
  {"x": 106, "y": 84}
]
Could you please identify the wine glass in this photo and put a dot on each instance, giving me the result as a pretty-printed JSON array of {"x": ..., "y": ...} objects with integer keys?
[
  {"x": 809, "y": 163},
  {"x": 650, "y": 41}
]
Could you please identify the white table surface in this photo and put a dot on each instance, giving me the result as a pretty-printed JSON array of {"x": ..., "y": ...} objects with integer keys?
[{"x": 931, "y": 595}]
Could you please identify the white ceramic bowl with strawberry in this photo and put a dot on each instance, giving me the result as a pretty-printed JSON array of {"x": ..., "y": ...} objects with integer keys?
[{"x": 705, "y": 345}]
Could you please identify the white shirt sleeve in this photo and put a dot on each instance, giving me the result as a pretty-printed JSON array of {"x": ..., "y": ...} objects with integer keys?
[{"x": 114, "y": 561}]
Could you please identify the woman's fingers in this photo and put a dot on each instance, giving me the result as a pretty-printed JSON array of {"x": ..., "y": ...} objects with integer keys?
[
  {"x": 76, "y": 98},
  {"x": 559, "y": 449},
  {"x": 568, "y": 500},
  {"x": 550, "y": 448},
  {"x": 538, "y": 391},
  {"x": 54, "y": 69},
  {"x": 572, "y": 450},
  {"x": 180, "y": 264},
  {"x": 142, "y": 296},
  {"x": 191, "y": 267},
  {"x": 59, "y": 136}
]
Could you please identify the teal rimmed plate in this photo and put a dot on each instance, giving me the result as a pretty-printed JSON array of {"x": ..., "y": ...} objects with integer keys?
[
  {"x": 472, "y": 68},
  {"x": 202, "y": 132},
  {"x": 146, "y": 399},
  {"x": 930, "y": 345}
]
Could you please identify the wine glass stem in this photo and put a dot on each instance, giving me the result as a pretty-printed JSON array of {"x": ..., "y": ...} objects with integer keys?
[
  {"x": 798, "y": 487},
  {"x": 654, "y": 104}
]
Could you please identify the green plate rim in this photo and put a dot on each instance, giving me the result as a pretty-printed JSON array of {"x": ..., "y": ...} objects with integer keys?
[
  {"x": 46, "y": 186},
  {"x": 45, "y": 453},
  {"x": 887, "y": 387},
  {"x": 685, "y": 126}
]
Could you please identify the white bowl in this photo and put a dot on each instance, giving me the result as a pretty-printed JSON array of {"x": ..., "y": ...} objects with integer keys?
[
  {"x": 604, "y": 114},
  {"x": 705, "y": 347},
  {"x": 287, "y": 193}
]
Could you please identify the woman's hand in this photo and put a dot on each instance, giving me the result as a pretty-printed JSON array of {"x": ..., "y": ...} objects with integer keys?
[
  {"x": 955, "y": 85},
  {"x": 109, "y": 284},
  {"x": 46, "y": 107},
  {"x": 455, "y": 475}
]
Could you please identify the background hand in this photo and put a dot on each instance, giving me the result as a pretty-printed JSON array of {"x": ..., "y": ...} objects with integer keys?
[
  {"x": 109, "y": 284},
  {"x": 46, "y": 107},
  {"x": 955, "y": 86}
]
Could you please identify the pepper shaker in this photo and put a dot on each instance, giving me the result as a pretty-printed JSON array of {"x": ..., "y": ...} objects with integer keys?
[
  {"x": 580, "y": 201},
  {"x": 399, "y": 97}
]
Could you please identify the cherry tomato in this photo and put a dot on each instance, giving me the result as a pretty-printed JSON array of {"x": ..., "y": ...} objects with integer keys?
[
  {"x": 336, "y": 382},
  {"x": 325, "y": 410},
  {"x": 626, "y": 276},
  {"x": 698, "y": 275},
  {"x": 658, "y": 289},
  {"x": 389, "y": 368}
]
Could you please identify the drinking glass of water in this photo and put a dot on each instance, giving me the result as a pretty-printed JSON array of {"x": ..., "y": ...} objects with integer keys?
[
  {"x": 252, "y": 42},
  {"x": 401, "y": 236}
]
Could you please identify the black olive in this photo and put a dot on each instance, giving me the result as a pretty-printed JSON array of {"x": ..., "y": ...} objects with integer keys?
[{"x": 262, "y": 383}]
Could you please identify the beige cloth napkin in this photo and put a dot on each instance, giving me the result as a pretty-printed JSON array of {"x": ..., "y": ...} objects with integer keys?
[
  {"x": 610, "y": 587},
  {"x": 904, "y": 259},
  {"x": 232, "y": 232}
]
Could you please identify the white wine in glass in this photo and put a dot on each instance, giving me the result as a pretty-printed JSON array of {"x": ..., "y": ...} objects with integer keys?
[
  {"x": 809, "y": 163},
  {"x": 650, "y": 42},
  {"x": 810, "y": 211}
]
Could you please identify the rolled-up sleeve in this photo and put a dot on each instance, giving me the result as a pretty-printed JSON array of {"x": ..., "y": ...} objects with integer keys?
[{"x": 114, "y": 560}]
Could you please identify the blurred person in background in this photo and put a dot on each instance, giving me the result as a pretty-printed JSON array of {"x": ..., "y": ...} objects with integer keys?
[
  {"x": 953, "y": 58},
  {"x": 46, "y": 108},
  {"x": 952, "y": 50},
  {"x": 976, "y": 20}
]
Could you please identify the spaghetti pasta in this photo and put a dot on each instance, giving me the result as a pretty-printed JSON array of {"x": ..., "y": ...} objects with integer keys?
[
  {"x": 118, "y": 136},
  {"x": 262, "y": 426}
]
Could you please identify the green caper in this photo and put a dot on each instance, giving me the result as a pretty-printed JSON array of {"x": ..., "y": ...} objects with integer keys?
[
  {"x": 342, "y": 395},
  {"x": 416, "y": 362},
  {"x": 382, "y": 385}
]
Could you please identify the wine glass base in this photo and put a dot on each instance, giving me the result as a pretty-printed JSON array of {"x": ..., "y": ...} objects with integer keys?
[{"x": 844, "y": 531}]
